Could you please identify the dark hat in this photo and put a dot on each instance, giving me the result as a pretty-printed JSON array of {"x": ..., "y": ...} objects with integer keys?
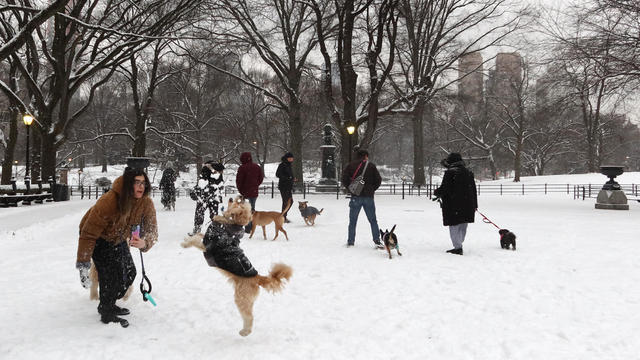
[
  {"x": 451, "y": 159},
  {"x": 362, "y": 153},
  {"x": 454, "y": 157},
  {"x": 138, "y": 162},
  {"x": 217, "y": 167},
  {"x": 288, "y": 155}
]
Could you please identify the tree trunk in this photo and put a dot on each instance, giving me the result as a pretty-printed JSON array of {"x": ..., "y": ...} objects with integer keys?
[
  {"x": 48, "y": 156},
  {"x": 9, "y": 151},
  {"x": 517, "y": 159},
  {"x": 296, "y": 140},
  {"x": 418, "y": 142},
  {"x": 140, "y": 141}
]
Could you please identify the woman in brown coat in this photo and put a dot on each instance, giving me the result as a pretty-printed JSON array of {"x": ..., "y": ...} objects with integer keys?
[{"x": 106, "y": 232}]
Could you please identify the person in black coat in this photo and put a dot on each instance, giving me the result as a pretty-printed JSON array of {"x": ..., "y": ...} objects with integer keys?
[
  {"x": 168, "y": 187},
  {"x": 207, "y": 193},
  {"x": 459, "y": 199},
  {"x": 285, "y": 181}
]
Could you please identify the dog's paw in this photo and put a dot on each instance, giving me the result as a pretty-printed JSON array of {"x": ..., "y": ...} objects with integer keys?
[{"x": 244, "y": 332}]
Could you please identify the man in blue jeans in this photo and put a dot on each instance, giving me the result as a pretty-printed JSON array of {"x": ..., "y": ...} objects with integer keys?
[{"x": 372, "y": 181}]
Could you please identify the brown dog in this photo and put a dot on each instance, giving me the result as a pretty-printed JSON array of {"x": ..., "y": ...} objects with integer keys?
[
  {"x": 308, "y": 213},
  {"x": 246, "y": 288},
  {"x": 264, "y": 218}
]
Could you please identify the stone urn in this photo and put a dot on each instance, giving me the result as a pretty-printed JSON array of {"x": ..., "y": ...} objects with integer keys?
[
  {"x": 138, "y": 162},
  {"x": 611, "y": 196},
  {"x": 611, "y": 171}
]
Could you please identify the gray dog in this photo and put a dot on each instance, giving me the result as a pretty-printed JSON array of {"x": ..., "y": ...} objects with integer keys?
[{"x": 309, "y": 213}]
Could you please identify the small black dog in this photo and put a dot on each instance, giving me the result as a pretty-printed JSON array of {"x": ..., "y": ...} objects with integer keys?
[
  {"x": 390, "y": 241},
  {"x": 507, "y": 238}
]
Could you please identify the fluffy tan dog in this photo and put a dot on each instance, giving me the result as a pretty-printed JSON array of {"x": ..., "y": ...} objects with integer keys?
[
  {"x": 246, "y": 288},
  {"x": 264, "y": 218}
]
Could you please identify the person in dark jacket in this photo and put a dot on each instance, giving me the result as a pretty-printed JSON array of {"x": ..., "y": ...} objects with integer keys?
[
  {"x": 248, "y": 180},
  {"x": 372, "y": 181},
  {"x": 168, "y": 187},
  {"x": 459, "y": 199},
  {"x": 207, "y": 193},
  {"x": 285, "y": 181}
]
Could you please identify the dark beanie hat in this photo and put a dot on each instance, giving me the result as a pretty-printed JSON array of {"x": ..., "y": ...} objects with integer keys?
[
  {"x": 288, "y": 155},
  {"x": 454, "y": 157}
]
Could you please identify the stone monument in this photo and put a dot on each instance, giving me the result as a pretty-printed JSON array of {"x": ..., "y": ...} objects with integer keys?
[
  {"x": 611, "y": 196},
  {"x": 328, "y": 181}
]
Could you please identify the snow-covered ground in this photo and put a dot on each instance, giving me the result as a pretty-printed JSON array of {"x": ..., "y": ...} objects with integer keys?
[{"x": 570, "y": 291}]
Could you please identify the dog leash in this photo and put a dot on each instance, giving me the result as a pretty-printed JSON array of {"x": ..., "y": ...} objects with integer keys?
[
  {"x": 146, "y": 294},
  {"x": 486, "y": 220}
]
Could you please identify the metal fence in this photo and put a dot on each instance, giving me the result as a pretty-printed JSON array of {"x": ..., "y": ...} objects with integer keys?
[{"x": 403, "y": 189}]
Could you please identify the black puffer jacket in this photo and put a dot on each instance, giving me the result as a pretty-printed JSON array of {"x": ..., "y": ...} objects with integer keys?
[
  {"x": 458, "y": 194},
  {"x": 222, "y": 243},
  {"x": 285, "y": 175}
]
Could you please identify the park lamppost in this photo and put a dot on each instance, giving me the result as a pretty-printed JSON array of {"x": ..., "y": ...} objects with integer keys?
[
  {"x": 15, "y": 166},
  {"x": 351, "y": 128},
  {"x": 79, "y": 173},
  {"x": 28, "y": 120}
]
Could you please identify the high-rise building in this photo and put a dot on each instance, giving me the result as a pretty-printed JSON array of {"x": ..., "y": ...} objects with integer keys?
[{"x": 470, "y": 86}]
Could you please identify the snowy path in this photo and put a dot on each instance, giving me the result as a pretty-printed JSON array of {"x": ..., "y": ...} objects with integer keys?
[{"x": 570, "y": 291}]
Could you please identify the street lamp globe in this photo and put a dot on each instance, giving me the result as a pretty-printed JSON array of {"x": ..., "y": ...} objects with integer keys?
[
  {"x": 351, "y": 129},
  {"x": 27, "y": 119}
]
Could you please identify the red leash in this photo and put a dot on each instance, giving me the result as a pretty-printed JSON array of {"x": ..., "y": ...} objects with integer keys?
[{"x": 486, "y": 220}]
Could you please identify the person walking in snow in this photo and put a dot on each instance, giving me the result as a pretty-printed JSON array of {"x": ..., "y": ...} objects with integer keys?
[
  {"x": 207, "y": 193},
  {"x": 372, "y": 181},
  {"x": 248, "y": 180},
  {"x": 459, "y": 199},
  {"x": 168, "y": 187},
  {"x": 107, "y": 231},
  {"x": 285, "y": 181}
]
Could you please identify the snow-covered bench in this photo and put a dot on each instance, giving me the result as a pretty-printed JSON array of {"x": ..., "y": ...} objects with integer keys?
[{"x": 11, "y": 195}]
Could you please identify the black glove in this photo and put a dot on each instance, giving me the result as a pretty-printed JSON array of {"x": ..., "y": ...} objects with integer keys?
[
  {"x": 193, "y": 195},
  {"x": 83, "y": 268}
]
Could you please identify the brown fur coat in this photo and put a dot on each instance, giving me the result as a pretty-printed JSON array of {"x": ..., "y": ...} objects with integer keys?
[{"x": 100, "y": 221}]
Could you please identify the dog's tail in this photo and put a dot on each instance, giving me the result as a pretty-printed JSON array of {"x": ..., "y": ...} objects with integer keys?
[
  {"x": 275, "y": 281},
  {"x": 393, "y": 228},
  {"x": 320, "y": 212},
  {"x": 93, "y": 275},
  {"x": 287, "y": 208}
]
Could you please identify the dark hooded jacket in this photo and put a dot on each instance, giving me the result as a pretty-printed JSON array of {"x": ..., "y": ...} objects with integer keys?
[
  {"x": 458, "y": 194},
  {"x": 249, "y": 176},
  {"x": 372, "y": 178},
  {"x": 222, "y": 243},
  {"x": 285, "y": 175}
]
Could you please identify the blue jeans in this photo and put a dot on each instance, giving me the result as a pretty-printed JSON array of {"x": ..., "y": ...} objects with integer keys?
[{"x": 355, "y": 204}]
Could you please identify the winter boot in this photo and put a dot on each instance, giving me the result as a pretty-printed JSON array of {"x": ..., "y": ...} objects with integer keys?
[
  {"x": 111, "y": 317},
  {"x": 117, "y": 310},
  {"x": 455, "y": 251}
]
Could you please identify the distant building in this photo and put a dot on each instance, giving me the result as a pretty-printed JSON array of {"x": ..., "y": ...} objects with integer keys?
[{"x": 470, "y": 86}]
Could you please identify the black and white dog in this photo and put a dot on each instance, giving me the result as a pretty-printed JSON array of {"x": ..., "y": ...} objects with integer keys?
[{"x": 390, "y": 241}]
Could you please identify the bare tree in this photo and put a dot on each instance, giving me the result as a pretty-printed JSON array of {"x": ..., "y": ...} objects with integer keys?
[
  {"x": 280, "y": 33},
  {"x": 86, "y": 42},
  {"x": 436, "y": 34}
]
